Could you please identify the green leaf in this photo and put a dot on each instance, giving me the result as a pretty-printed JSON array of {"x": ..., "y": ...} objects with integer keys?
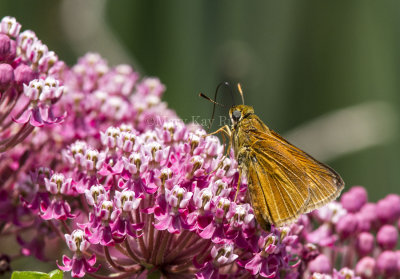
[
  {"x": 56, "y": 274},
  {"x": 29, "y": 275}
]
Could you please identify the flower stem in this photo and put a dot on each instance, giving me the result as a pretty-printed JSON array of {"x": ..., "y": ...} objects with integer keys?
[
  {"x": 161, "y": 251},
  {"x": 182, "y": 241},
  {"x": 157, "y": 244},
  {"x": 56, "y": 230},
  {"x": 189, "y": 262},
  {"x": 133, "y": 269},
  {"x": 16, "y": 116},
  {"x": 140, "y": 240},
  {"x": 131, "y": 252},
  {"x": 17, "y": 138},
  {"x": 8, "y": 108},
  {"x": 191, "y": 251},
  {"x": 65, "y": 225},
  {"x": 150, "y": 242},
  {"x": 120, "y": 276}
]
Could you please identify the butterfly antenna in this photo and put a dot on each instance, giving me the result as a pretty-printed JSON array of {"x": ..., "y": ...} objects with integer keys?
[
  {"x": 230, "y": 90},
  {"x": 215, "y": 99},
  {"x": 215, "y": 103},
  {"x": 209, "y": 99},
  {"x": 241, "y": 92}
]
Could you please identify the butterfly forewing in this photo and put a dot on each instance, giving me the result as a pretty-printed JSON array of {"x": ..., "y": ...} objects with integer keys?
[
  {"x": 283, "y": 181},
  {"x": 324, "y": 183}
]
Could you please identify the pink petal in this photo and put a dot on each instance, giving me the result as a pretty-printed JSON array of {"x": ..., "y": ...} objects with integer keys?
[
  {"x": 24, "y": 118},
  {"x": 78, "y": 268},
  {"x": 67, "y": 264},
  {"x": 92, "y": 260},
  {"x": 36, "y": 119},
  {"x": 208, "y": 232},
  {"x": 163, "y": 223}
]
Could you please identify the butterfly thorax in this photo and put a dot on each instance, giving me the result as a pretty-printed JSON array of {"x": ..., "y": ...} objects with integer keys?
[{"x": 244, "y": 122}]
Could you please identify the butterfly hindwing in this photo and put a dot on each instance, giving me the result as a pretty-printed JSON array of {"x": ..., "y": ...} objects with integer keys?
[
  {"x": 283, "y": 180},
  {"x": 285, "y": 190}
]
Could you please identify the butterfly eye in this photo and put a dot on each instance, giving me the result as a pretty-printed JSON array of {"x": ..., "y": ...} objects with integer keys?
[{"x": 236, "y": 115}]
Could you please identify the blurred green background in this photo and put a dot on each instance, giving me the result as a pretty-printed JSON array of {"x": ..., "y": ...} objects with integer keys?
[{"x": 296, "y": 60}]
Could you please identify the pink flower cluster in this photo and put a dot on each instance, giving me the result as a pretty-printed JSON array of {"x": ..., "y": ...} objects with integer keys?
[
  {"x": 133, "y": 191},
  {"x": 29, "y": 87},
  {"x": 361, "y": 235}
]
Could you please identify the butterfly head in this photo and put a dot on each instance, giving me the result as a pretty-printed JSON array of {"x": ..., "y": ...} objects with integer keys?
[{"x": 239, "y": 112}]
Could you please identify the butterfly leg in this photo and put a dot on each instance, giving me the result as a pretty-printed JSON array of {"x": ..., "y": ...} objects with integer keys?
[
  {"x": 225, "y": 131},
  {"x": 238, "y": 185},
  {"x": 240, "y": 159},
  {"x": 225, "y": 156}
]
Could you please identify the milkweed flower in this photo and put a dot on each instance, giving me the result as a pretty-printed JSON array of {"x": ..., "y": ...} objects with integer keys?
[
  {"x": 41, "y": 94},
  {"x": 131, "y": 189},
  {"x": 78, "y": 265},
  {"x": 29, "y": 85}
]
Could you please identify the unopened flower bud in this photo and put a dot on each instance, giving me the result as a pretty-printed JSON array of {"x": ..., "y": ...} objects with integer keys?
[
  {"x": 320, "y": 264},
  {"x": 347, "y": 225},
  {"x": 366, "y": 268},
  {"x": 6, "y": 77},
  {"x": 354, "y": 199},
  {"x": 5, "y": 46},
  {"x": 387, "y": 237},
  {"x": 387, "y": 264},
  {"x": 23, "y": 74},
  {"x": 365, "y": 243},
  {"x": 388, "y": 209}
]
